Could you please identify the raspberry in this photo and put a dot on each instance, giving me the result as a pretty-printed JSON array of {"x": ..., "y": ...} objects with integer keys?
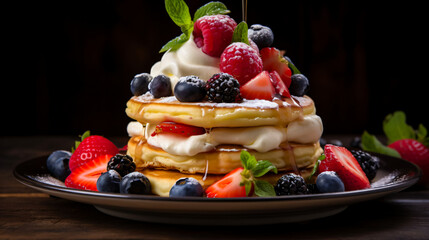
[
  {"x": 213, "y": 33},
  {"x": 241, "y": 61},
  {"x": 222, "y": 87}
]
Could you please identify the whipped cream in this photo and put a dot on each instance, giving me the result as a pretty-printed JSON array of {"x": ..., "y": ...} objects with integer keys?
[
  {"x": 185, "y": 61},
  {"x": 135, "y": 128},
  {"x": 306, "y": 130}
]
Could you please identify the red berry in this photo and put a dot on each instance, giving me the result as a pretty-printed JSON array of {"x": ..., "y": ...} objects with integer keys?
[
  {"x": 178, "y": 128},
  {"x": 90, "y": 148},
  {"x": 260, "y": 87},
  {"x": 342, "y": 161},
  {"x": 213, "y": 33},
  {"x": 279, "y": 85},
  {"x": 228, "y": 186},
  {"x": 85, "y": 176},
  {"x": 241, "y": 61},
  {"x": 274, "y": 61}
]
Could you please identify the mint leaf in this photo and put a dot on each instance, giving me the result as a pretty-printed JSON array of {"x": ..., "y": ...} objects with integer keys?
[
  {"x": 262, "y": 167},
  {"x": 248, "y": 187},
  {"x": 178, "y": 12},
  {"x": 211, "y": 8},
  {"x": 264, "y": 189},
  {"x": 293, "y": 68},
  {"x": 82, "y": 137},
  {"x": 175, "y": 44},
  {"x": 396, "y": 128},
  {"x": 247, "y": 160},
  {"x": 372, "y": 144},
  {"x": 316, "y": 166},
  {"x": 422, "y": 135},
  {"x": 240, "y": 33}
]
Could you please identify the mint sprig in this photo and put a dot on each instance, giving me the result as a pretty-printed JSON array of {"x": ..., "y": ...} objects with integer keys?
[
  {"x": 179, "y": 13},
  {"x": 254, "y": 169},
  {"x": 240, "y": 33}
]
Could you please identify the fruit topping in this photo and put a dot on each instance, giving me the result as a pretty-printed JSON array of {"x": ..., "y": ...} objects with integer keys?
[
  {"x": 342, "y": 161},
  {"x": 279, "y": 85},
  {"x": 241, "y": 61},
  {"x": 139, "y": 84},
  {"x": 85, "y": 175},
  {"x": 242, "y": 181},
  {"x": 123, "y": 164},
  {"x": 273, "y": 61},
  {"x": 290, "y": 184},
  {"x": 160, "y": 86},
  {"x": 187, "y": 187},
  {"x": 329, "y": 181},
  {"x": 109, "y": 182},
  {"x": 58, "y": 164},
  {"x": 213, "y": 33},
  {"x": 260, "y": 87},
  {"x": 177, "y": 128},
  {"x": 299, "y": 85},
  {"x": 369, "y": 164},
  {"x": 135, "y": 183},
  {"x": 190, "y": 89},
  {"x": 90, "y": 148},
  {"x": 261, "y": 35},
  {"x": 223, "y": 87}
]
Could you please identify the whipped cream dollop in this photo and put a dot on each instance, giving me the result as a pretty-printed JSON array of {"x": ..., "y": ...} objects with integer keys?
[
  {"x": 185, "y": 61},
  {"x": 262, "y": 139}
]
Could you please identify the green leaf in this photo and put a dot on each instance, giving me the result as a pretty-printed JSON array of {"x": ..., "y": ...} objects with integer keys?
[
  {"x": 316, "y": 166},
  {"x": 175, "y": 44},
  {"x": 247, "y": 160},
  {"x": 422, "y": 135},
  {"x": 262, "y": 167},
  {"x": 293, "y": 68},
  {"x": 396, "y": 128},
  {"x": 211, "y": 8},
  {"x": 264, "y": 189},
  {"x": 372, "y": 144},
  {"x": 248, "y": 187},
  {"x": 82, "y": 137},
  {"x": 240, "y": 33},
  {"x": 85, "y": 135},
  {"x": 178, "y": 12}
]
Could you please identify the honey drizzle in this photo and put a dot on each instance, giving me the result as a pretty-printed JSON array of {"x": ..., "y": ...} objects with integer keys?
[{"x": 244, "y": 10}]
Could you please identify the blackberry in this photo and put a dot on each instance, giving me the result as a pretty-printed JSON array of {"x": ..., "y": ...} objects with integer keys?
[
  {"x": 369, "y": 164},
  {"x": 223, "y": 87},
  {"x": 123, "y": 164},
  {"x": 291, "y": 184}
]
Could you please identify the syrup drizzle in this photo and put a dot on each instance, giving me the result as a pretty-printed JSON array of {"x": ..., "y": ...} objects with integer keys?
[{"x": 244, "y": 10}]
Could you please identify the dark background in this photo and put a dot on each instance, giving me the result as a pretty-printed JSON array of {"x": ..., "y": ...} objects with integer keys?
[{"x": 69, "y": 63}]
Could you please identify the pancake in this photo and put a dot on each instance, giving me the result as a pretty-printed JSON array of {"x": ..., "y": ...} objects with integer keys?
[
  {"x": 146, "y": 109},
  {"x": 162, "y": 180},
  {"x": 223, "y": 159}
]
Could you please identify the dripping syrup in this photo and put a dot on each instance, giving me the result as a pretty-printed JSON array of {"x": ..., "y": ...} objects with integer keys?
[
  {"x": 286, "y": 146},
  {"x": 244, "y": 10}
]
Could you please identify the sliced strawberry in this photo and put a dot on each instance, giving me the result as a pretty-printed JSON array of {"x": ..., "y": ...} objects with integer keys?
[
  {"x": 259, "y": 87},
  {"x": 274, "y": 61},
  {"x": 91, "y": 148},
  {"x": 342, "y": 161},
  {"x": 228, "y": 186},
  {"x": 178, "y": 128},
  {"x": 279, "y": 85},
  {"x": 85, "y": 176}
]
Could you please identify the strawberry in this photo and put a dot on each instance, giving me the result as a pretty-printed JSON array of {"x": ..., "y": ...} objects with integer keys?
[
  {"x": 85, "y": 175},
  {"x": 228, "y": 186},
  {"x": 415, "y": 152},
  {"x": 213, "y": 33},
  {"x": 259, "y": 87},
  {"x": 274, "y": 61},
  {"x": 342, "y": 161},
  {"x": 279, "y": 85},
  {"x": 178, "y": 128},
  {"x": 240, "y": 61},
  {"x": 90, "y": 148}
]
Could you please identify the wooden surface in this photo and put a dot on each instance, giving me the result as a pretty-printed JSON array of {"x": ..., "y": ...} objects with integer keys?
[{"x": 28, "y": 214}]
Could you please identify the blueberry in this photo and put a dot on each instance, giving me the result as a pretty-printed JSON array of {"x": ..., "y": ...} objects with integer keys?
[
  {"x": 299, "y": 85},
  {"x": 135, "y": 183},
  {"x": 109, "y": 181},
  {"x": 160, "y": 86},
  {"x": 186, "y": 187},
  {"x": 58, "y": 164},
  {"x": 190, "y": 89},
  {"x": 139, "y": 84},
  {"x": 329, "y": 182},
  {"x": 261, "y": 35},
  {"x": 336, "y": 142}
]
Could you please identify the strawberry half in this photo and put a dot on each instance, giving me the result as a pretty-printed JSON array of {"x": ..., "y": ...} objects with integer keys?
[
  {"x": 178, "y": 128},
  {"x": 91, "y": 148},
  {"x": 279, "y": 85},
  {"x": 228, "y": 186},
  {"x": 274, "y": 61},
  {"x": 85, "y": 176},
  {"x": 259, "y": 87},
  {"x": 342, "y": 161}
]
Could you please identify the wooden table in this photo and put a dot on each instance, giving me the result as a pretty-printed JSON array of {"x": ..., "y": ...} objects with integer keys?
[{"x": 27, "y": 214}]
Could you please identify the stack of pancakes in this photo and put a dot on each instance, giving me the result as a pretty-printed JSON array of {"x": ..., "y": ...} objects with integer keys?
[{"x": 253, "y": 117}]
